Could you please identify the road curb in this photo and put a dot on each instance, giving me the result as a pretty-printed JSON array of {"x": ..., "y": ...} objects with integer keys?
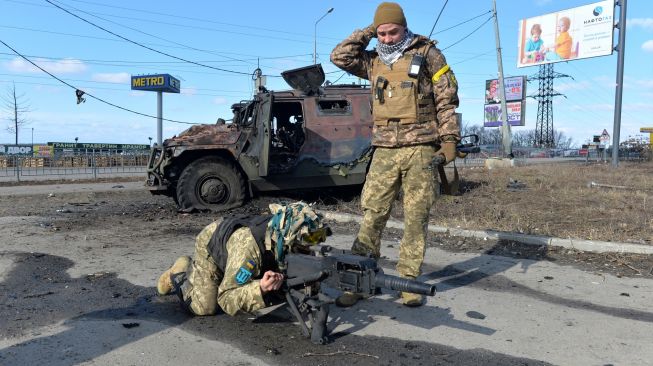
[{"x": 577, "y": 244}]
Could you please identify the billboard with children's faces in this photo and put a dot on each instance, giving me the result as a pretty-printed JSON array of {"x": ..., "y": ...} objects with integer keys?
[{"x": 572, "y": 34}]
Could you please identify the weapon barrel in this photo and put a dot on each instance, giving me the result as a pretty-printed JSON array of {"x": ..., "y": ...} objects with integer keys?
[{"x": 403, "y": 285}]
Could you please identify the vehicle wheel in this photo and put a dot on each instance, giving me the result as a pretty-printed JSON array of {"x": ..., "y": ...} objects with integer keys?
[{"x": 210, "y": 183}]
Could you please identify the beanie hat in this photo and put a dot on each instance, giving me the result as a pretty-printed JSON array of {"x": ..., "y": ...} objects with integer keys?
[
  {"x": 389, "y": 13},
  {"x": 288, "y": 224}
]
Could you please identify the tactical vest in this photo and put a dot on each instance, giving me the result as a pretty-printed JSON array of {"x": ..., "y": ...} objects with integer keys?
[
  {"x": 257, "y": 224},
  {"x": 402, "y": 101}
]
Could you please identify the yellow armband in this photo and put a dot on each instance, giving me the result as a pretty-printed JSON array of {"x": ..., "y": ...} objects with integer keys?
[{"x": 440, "y": 72}]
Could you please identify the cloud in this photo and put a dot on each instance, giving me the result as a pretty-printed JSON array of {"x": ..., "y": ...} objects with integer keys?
[
  {"x": 220, "y": 100},
  {"x": 116, "y": 78},
  {"x": 189, "y": 91},
  {"x": 574, "y": 85},
  {"x": 592, "y": 107},
  {"x": 648, "y": 46},
  {"x": 646, "y": 23},
  {"x": 63, "y": 66}
]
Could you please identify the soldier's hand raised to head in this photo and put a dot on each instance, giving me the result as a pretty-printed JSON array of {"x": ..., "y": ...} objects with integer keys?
[{"x": 271, "y": 281}]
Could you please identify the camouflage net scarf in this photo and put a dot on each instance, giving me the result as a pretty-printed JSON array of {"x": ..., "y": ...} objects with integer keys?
[
  {"x": 288, "y": 224},
  {"x": 389, "y": 53}
]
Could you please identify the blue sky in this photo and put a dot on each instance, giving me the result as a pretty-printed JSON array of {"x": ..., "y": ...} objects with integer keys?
[{"x": 278, "y": 35}]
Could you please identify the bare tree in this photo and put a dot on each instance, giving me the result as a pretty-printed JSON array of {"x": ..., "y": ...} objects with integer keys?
[{"x": 16, "y": 106}]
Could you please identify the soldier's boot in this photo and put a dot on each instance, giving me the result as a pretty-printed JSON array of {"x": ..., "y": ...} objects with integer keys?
[
  {"x": 412, "y": 300},
  {"x": 164, "y": 284}
]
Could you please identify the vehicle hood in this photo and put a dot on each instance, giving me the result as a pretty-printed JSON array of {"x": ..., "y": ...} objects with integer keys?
[{"x": 215, "y": 134}]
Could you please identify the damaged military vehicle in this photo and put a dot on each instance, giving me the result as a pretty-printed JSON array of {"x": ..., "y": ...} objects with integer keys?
[{"x": 310, "y": 137}]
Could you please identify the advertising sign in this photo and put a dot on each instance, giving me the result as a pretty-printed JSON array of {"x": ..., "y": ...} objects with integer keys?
[
  {"x": 515, "y": 114},
  {"x": 43, "y": 151},
  {"x": 20, "y": 149},
  {"x": 572, "y": 34},
  {"x": 515, "y": 88},
  {"x": 98, "y": 146},
  {"x": 159, "y": 82}
]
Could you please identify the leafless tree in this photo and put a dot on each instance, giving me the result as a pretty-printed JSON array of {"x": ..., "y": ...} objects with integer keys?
[{"x": 16, "y": 107}]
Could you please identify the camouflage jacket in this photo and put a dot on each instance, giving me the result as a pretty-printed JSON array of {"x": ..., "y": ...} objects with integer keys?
[
  {"x": 237, "y": 292},
  {"x": 351, "y": 56}
]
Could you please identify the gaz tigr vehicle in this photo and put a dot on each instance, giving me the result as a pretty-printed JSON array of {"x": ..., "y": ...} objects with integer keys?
[{"x": 308, "y": 137}]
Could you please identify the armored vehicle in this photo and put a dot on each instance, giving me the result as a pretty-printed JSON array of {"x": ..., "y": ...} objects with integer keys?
[{"x": 310, "y": 137}]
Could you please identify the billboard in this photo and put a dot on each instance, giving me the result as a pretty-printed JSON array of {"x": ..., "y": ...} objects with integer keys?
[
  {"x": 514, "y": 87},
  {"x": 572, "y": 34},
  {"x": 97, "y": 146},
  {"x": 515, "y": 114}
]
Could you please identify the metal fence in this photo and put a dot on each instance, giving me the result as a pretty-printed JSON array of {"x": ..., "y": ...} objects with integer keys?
[{"x": 82, "y": 163}]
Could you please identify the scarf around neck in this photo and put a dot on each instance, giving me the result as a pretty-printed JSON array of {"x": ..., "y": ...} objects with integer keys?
[{"x": 391, "y": 53}]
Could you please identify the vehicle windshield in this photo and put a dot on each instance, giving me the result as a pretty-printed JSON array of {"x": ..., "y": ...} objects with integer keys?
[{"x": 243, "y": 113}]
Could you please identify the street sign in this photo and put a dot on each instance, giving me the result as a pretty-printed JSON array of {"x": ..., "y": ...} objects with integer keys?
[{"x": 605, "y": 138}]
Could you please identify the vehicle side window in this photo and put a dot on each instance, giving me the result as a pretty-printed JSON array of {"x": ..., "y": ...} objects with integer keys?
[{"x": 334, "y": 107}]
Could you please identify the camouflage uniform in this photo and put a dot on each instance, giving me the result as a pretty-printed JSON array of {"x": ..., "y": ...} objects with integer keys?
[
  {"x": 246, "y": 249},
  {"x": 209, "y": 288},
  {"x": 404, "y": 148}
]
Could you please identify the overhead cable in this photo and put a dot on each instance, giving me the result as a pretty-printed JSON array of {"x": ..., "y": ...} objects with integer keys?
[
  {"x": 465, "y": 37},
  {"x": 438, "y": 18},
  {"x": 87, "y": 94},
  {"x": 149, "y": 48}
]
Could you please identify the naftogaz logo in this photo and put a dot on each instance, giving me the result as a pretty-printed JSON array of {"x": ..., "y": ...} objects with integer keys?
[{"x": 597, "y": 11}]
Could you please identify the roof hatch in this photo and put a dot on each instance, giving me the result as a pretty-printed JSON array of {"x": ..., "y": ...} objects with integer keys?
[{"x": 308, "y": 79}]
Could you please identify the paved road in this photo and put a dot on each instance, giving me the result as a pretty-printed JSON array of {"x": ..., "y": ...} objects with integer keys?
[{"x": 86, "y": 297}]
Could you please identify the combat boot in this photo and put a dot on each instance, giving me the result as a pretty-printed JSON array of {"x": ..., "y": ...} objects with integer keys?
[
  {"x": 164, "y": 285},
  {"x": 348, "y": 299},
  {"x": 412, "y": 300}
]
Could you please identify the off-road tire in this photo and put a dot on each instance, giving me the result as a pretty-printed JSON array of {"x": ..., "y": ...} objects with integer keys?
[{"x": 210, "y": 183}]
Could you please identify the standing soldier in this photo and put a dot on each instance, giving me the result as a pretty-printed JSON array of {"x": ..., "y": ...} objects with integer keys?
[{"x": 415, "y": 95}]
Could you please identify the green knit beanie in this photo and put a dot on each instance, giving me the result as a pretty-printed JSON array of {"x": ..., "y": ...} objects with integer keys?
[{"x": 389, "y": 13}]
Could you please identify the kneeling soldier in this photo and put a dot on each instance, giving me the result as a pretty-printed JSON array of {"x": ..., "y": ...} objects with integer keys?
[{"x": 237, "y": 262}]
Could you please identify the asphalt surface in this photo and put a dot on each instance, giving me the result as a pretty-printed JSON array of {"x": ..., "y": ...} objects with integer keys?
[{"x": 87, "y": 296}]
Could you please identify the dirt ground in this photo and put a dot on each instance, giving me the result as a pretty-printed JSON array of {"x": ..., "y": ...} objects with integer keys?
[
  {"x": 552, "y": 200},
  {"x": 125, "y": 219}
]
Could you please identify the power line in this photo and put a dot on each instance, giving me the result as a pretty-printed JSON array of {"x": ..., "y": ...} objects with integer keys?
[
  {"x": 463, "y": 22},
  {"x": 176, "y": 16},
  {"x": 149, "y": 48},
  {"x": 238, "y": 92},
  {"x": 254, "y": 57},
  {"x": 438, "y": 18},
  {"x": 90, "y": 95},
  {"x": 465, "y": 37},
  {"x": 155, "y": 36}
]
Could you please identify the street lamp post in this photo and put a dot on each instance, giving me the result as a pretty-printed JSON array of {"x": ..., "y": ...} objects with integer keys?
[
  {"x": 32, "y": 136},
  {"x": 150, "y": 141},
  {"x": 315, "y": 35}
]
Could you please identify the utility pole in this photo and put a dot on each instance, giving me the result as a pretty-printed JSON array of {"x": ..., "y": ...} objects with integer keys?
[
  {"x": 621, "y": 48},
  {"x": 506, "y": 138}
]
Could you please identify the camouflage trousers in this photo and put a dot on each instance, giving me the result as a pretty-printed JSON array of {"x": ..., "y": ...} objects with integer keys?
[
  {"x": 392, "y": 169},
  {"x": 203, "y": 276}
]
